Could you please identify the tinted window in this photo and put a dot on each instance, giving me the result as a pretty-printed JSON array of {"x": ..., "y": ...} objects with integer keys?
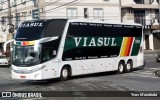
[
  {"x": 55, "y": 28},
  {"x": 34, "y": 30},
  {"x": 96, "y": 29},
  {"x": 97, "y": 40},
  {"x": 50, "y": 49},
  {"x": 29, "y": 31}
]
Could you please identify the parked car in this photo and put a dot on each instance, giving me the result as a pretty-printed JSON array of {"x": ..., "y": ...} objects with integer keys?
[
  {"x": 3, "y": 60},
  {"x": 158, "y": 57}
]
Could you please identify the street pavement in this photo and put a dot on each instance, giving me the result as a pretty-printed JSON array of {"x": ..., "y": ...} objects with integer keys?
[{"x": 141, "y": 79}]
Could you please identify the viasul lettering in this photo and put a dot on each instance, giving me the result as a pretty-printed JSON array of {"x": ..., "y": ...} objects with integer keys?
[
  {"x": 31, "y": 25},
  {"x": 101, "y": 41}
]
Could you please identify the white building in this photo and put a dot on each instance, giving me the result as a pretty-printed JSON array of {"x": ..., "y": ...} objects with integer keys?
[
  {"x": 144, "y": 12},
  {"x": 46, "y": 9}
]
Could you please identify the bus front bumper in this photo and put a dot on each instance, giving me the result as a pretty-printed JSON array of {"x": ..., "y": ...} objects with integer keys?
[{"x": 32, "y": 76}]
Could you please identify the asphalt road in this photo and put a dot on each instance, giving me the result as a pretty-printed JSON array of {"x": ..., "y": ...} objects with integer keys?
[{"x": 142, "y": 79}]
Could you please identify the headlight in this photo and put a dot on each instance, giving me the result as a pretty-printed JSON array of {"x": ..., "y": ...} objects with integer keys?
[
  {"x": 38, "y": 68},
  {"x": 26, "y": 71}
]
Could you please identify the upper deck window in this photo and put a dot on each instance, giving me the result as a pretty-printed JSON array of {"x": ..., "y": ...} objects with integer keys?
[
  {"x": 34, "y": 30},
  {"x": 29, "y": 31}
]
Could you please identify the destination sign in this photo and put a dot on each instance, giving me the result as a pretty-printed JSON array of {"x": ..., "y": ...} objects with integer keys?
[{"x": 31, "y": 25}]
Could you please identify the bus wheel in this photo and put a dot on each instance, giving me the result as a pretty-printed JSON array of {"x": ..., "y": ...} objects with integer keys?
[
  {"x": 64, "y": 74},
  {"x": 120, "y": 67},
  {"x": 128, "y": 67}
]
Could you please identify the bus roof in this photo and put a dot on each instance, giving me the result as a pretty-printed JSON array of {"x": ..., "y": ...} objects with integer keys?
[
  {"x": 104, "y": 22},
  {"x": 86, "y": 20}
]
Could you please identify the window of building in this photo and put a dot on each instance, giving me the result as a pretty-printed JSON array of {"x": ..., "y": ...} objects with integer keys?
[
  {"x": 85, "y": 12},
  {"x": 157, "y": 15},
  {"x": 72, "y": 12},
  {"x": 13, "y": 3},
  {"x": 23, "y": 1},
  {"x": 98, "y": 12},
  {"x": 1, "y": 1},
  {"x": 139, "y": 16},
  {"x": 151, "y": 1},
  {"x": 17, "y": 20},
  {"x": 130, "y": 11},
  {"x": 4, "y": 20},
  {"x": 139, "y": 1},
  {"x": 24, "y": 14}
]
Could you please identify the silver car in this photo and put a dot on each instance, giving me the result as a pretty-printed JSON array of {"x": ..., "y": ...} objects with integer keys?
[
  {"x": 3, "y": 60},
  {"x": 158, "y": 57}
]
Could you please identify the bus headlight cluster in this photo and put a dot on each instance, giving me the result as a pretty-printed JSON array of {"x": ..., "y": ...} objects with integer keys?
[
  {"x": 38, "y": 68},
  {"x": 25, "y": 71}
]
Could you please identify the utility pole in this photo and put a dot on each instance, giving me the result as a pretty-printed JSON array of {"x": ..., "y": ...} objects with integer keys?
[
  {"x": 120, "y": 8},
  {"x": 9, "y": 13},
  {"x": 159, "y": 14},
  {"x": 10, "y": 30},
  {"x": 11, "y": 26}
]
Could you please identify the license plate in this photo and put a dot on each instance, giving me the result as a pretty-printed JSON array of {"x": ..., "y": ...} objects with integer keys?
[{"x": 23, "y": 77}]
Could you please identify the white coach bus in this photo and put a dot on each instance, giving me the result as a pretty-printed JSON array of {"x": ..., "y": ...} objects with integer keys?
[{"x": 61, "y": 48}]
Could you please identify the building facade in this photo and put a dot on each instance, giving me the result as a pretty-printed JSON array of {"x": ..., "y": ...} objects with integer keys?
[
  {"x": 22, "y": 10},
  {"x": 145, "y": 12}
]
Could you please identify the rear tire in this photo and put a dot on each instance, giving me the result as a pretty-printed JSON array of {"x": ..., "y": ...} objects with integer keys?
[
  {"x": 65, "y": 73},
  {"x": 121, "y": 66},
  {"x": 128, "y": 67}
]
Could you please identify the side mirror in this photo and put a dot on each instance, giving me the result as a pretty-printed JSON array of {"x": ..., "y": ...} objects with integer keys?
[{"x": 5, "y": 45}]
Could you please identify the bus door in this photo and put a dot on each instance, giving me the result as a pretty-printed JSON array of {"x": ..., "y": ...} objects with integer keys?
[{"x": 50, "y": 67}]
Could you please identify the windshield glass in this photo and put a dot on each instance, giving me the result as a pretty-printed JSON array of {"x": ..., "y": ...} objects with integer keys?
[
  {"x": 30, "y": 30},
  {"x": 2, "y": 57},
  {"x": 25, "y": 56}
]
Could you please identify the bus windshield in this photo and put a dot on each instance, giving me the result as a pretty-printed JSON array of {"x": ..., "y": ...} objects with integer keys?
[
  {"x": 29, "y": 31},
  {"x": 25, "y": 56}
]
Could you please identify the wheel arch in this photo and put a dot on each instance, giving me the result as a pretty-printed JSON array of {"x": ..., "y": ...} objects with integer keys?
[
  {"x": 122, "y": 60},
  {"x": 130, "y": 60},
  {"x": 69, "y": 67}
]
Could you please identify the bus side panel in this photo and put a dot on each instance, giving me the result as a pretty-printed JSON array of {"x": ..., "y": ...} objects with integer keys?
[
  {"x": 140, "y": 57},
  {"x": 105, "y": 64},
  {"x": 84, "y": 66},
  {"x": 137, "y": 51},
  {"x": 50, "y": 70},
  {"x": 136, "y": 46}
]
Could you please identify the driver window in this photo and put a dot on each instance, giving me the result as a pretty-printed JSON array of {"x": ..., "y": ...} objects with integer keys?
[{"x": 46, "y": 55}]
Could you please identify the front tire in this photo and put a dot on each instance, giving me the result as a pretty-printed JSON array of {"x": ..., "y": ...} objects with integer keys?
[
  {"x": 120, "y": 68},
  {"x": 65, "y": 73}
]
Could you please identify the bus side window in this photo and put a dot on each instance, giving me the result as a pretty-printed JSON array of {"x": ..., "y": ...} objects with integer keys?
[{"x": 46, "y": 55}]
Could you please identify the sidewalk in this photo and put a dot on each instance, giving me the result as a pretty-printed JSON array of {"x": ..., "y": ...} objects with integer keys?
[
  {"x": 153, "y": 52},
  {"x": 146, "y": 52}
]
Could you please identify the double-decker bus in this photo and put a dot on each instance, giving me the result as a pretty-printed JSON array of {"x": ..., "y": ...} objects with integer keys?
[{"x": 61, "y": 48}]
